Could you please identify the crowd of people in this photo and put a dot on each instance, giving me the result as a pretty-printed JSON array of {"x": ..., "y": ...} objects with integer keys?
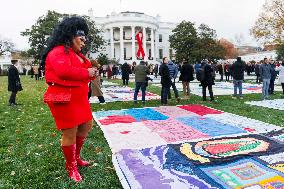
[{"x": 266, "y": 71}]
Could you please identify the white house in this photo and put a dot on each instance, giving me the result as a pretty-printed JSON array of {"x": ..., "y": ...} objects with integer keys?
[
  {"x": 119, "y": 30},
  {"x": 5, "y": 61},
  {"x": 260, "y": 56}
]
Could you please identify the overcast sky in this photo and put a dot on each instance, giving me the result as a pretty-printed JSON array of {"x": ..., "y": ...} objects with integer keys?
[{"x": 227, "y": 17}]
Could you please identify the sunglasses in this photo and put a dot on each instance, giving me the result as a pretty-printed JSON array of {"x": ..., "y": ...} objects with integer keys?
[{"x": 83, "y": 39}]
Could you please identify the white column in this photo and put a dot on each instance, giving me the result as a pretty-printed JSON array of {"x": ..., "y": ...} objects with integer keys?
[
  {"x": 144, "y": 43},
  {"x": 152, "y": 44},
  {"x": 156, "y": 45},
  {"x": 133, "y": 44},
  {"x": 111, "y": 44},
  {"x": 121, "y": 45}
]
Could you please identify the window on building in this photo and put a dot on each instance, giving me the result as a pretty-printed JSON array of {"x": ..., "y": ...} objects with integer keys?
[
  {"x": 150, "y": 55},
  {"x": 171, "y": 53},
  {"x": 124, "y": 53},
  {"x": 161, "y": 55},
  {"x": 114, "y": 53},
  {"x": 160, "y": 38},
  {"x": 123, "y": 34},
  {"x": 148, "y": 37}
]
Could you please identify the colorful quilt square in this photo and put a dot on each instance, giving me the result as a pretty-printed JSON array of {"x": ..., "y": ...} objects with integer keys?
[
  {"x": 173, "y": 111},
  {"x": 146, "y": 114},
  {"x": 200, "y": 110},
  {"x": 210, "y": 127},
  {"x": 131, "y": 136},
  {"x": 240, "y": 173},
  {"x": 174, "y": 131}
]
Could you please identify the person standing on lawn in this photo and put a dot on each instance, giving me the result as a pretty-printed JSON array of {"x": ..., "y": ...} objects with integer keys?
[
  {"x": 238, "y": 69},
  {"x": 165, "y": 81},
  {"x": 280, "y": 69},
  {"x": 141, "y": 71},
  {"x": 14, "y": 82},
  {"x": 126, "y": 70},
  {"x": 95, "y": 85},
  {"x": 67, "y": 73},
  {"x": 35, "y": 71},
  {"x": 272, "y": 79},
  {"x": 156, "y": 70},
  {"x": 173, "y": 69},
  {"x": 186, "y": 76},
  {"x": 109, "y": 72},
  {"x": 265, "y": 71},
  {"x": 256, "y": 70},
  {"x": 227, "y": 71},
  {"x": 221, "y": 71},
  {"x": 207, "y": 79}
]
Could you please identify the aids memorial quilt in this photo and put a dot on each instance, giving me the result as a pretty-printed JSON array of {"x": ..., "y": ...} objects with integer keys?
[{"x": 193, "y": 146}]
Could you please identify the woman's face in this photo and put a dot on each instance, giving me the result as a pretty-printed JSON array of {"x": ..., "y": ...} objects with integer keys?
[{"x": 78, "y": 43}]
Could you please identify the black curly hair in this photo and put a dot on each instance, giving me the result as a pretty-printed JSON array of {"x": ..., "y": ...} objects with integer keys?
[{"x": 63, "y": 34}]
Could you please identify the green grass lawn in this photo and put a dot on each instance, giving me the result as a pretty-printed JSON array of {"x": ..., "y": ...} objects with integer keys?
[{"x": 30, "y": 154}]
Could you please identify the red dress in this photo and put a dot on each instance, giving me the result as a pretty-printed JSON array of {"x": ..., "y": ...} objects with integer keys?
[{"x": 65, "y": 72}]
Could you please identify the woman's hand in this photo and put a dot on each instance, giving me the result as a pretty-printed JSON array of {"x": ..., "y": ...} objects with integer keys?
[{"x": 92, "y": 72}]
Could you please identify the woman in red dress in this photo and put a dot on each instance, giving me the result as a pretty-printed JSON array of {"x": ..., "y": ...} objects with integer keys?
[{"x": 68, "y": 72}]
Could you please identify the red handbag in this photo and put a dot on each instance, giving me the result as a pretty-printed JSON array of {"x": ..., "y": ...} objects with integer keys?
[{"x": 60, "y": 97}]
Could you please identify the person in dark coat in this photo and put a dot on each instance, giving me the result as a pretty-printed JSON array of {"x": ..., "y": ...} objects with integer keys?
[
  {"x": 272, "y": 80},
  {"x": 186, "y": 77},
  {"x": 238, "y": 69},
  {"x": 221, "y": 71},
  {"x": 256, "y": 70},
  {"x": 14, "y": 83},
  {"x": 126, "y": 70},
  {"x": 208, "y": 80},
  {"x": 156, "y": 70},
  {"x": 141, "y": 71},
  {"x": 109, "y": 72},
  {"x": 165, "y": 81},
  {"x": 114, "y": 71},
  {"x": 227, "y": 71}
]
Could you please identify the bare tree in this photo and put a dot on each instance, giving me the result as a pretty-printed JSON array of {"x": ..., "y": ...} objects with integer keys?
[
  {"x": 6, "y": 46},
  {"x": 269, "y": 27}
]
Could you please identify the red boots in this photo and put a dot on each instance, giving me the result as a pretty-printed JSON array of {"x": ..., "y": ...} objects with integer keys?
[
  {"x": 71, "y": 163},
  {"x": 72, "y": 156},
  {"x": 79, "y": 144}
]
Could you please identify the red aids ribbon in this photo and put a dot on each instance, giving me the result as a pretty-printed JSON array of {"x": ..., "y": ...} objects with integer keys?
[{"x": 140, "y": 52}]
